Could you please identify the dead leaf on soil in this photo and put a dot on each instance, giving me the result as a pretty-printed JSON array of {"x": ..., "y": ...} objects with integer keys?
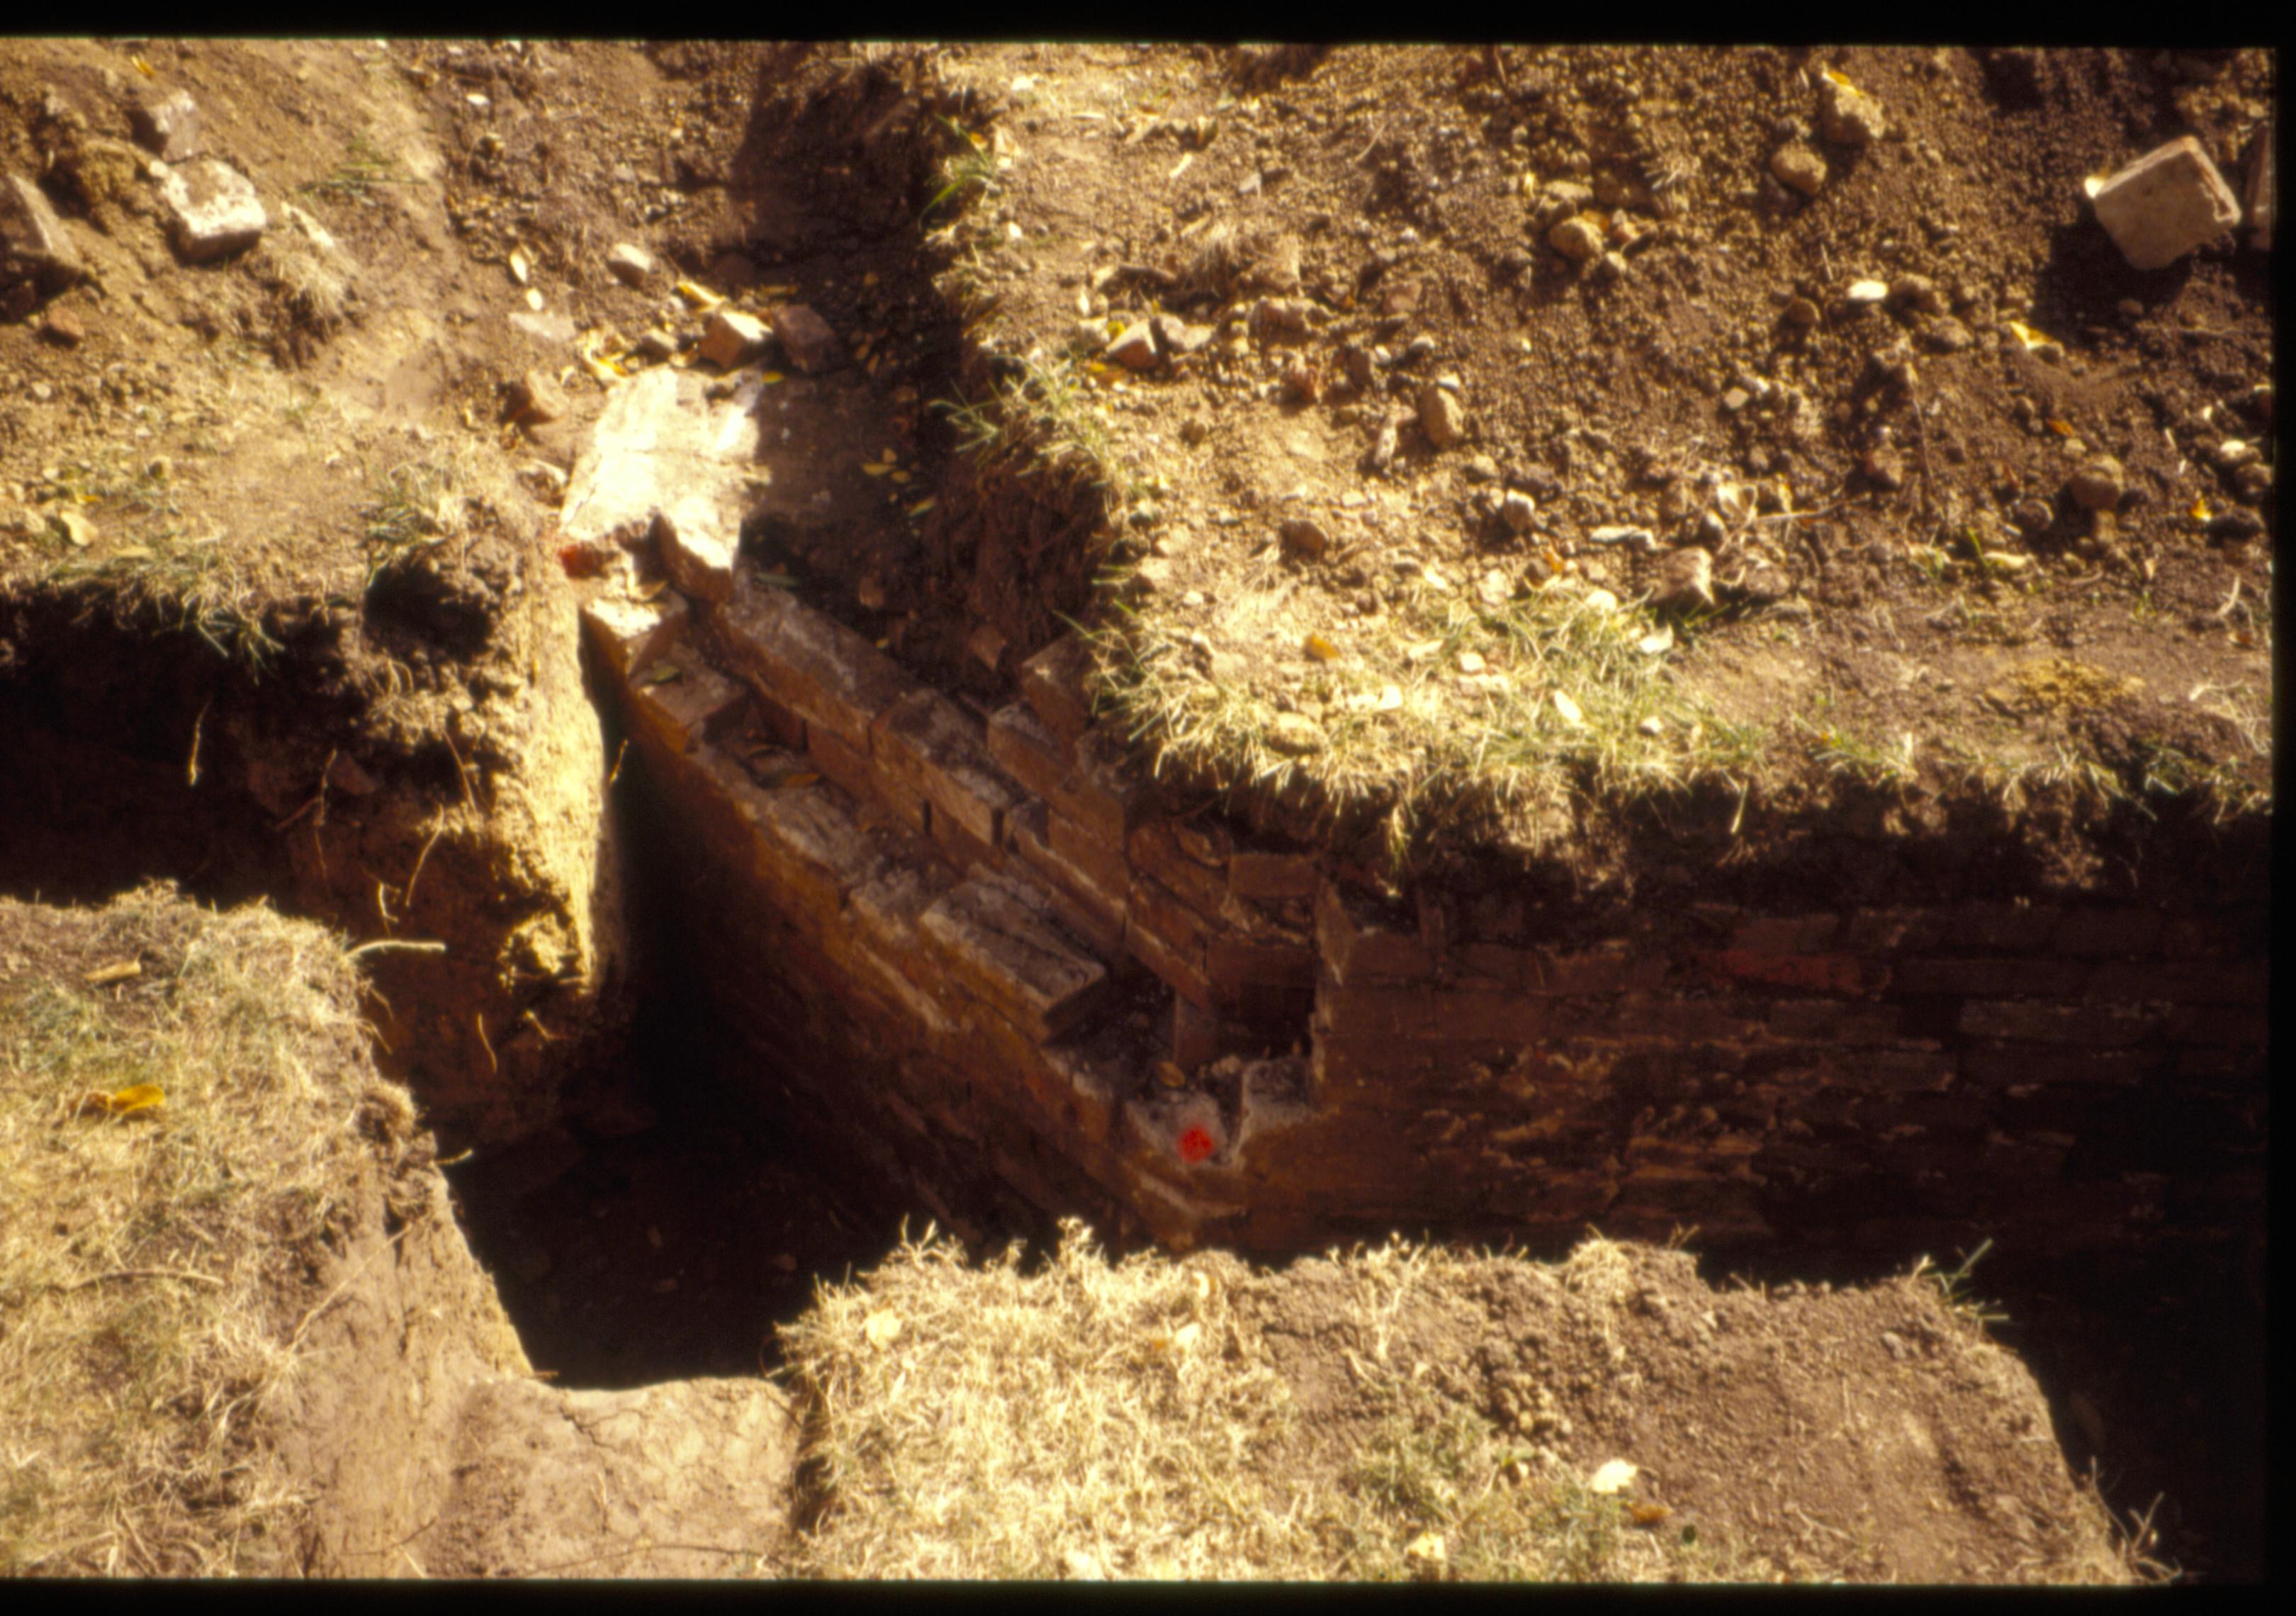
[
  {"x": 138, "y": 1099},
  {"x": 119, "y": 973}
]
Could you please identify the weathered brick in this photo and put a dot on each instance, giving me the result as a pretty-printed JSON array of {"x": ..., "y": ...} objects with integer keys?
[
  {"x": 820, "y": 669},
  {"x": 926, "y": 743},
  {"x": 2090, "y": 1026},
  {"x": 1354, "y": 952},
  {"x": 1991, "y": 978},
  {"x": 1089, "y": 852},
  {"x": 1661, "y": 1016},
  {"x": 805, "y": 841},
  {"x": 1055, "y": 683},
  {"x": 1493, "y": 963},
  {"x": 1424, "y": 1010},
  {"x": 1272, "y": 874},
  {"x": 1808, "y": 972},
  {"x": 1835, "y": 1020},
  {"x": 2222, "y": 1025},
  {"x": 1192, "y": 862},
  {"x": 679, "y": 711},
  {"x": 1090, "y": 909},
  {"x": 1164, "y": 935},
  {"x": 1100, "y": 793},
  {"x": 1195, "y": 1035},
  {"x": 628, "y": 635},
  {"x": 962, "y": 848},
  {"x": 1785, "y": 933},
  {"x": 1613, "y": 968},
  {"x": 1376, "y": 1060},
  {"x": 2013, "y": 927},
  {"x": 2192, "y": 982},
  {"x": 2101, "y": 933},
  {"x": 1023, "y": 748},
  {"x": 855, "y": 772},
  {"x": 998, "y": 933},
  {"x": 1231, "y": 962},
  {"x": 1889, "y": 931},
  {"x": 2018, "y": 1065}
]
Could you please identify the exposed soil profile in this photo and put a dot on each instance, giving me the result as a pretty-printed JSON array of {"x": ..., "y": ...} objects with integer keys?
[{"x": 1575, "y": 741}]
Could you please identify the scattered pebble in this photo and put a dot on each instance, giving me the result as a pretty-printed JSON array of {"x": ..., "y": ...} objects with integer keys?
[
  {"x": 1802, "y": 312},
  {"x": 632, "y": 266},
  {"x": 2234, "y": 453},
  {"x": 1576, "y": 240},
  {"x": 2098, "y": 484},
  {"x": 1799, "y": 169},
  {"x": 2032, "y": 515},
  {"x": 168, "y": 127},
  {"x": 535, "y": 397},
  {"x": 1946, "y": 335},
  {"x": 1440, "y": 416},
  {"x": 1686, "y": 582},
  {"x": 2252, "y": 482},
  {"x": 63, "y": 328},
  {"x": 1135, "y": 348},
  {"x": 730, "y": 338},
  {"x": 1846, "y": 115},
  {"x": 806, "y": 337},
  {"x": 2166, "y": 203},
  {"x": 1516, "y": 510},
  {"x": 1303, "y": 537},
  {"x": 1864, "y": 294},
  {"x": 212, "y": 209}
]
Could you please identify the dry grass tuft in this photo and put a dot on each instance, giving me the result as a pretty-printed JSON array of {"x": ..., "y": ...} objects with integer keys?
[
  {"x": 1122, "y": 1421},
  {"x": 151, "y": 1264}
]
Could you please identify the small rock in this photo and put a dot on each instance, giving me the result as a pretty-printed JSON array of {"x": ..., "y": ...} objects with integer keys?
[
  {"x": 1178, "y": 338},
  {"x": 32, "y": 240},
  {"x": 632, "y": 266},
  {"x": 1886, "y": 468},
  {"x": 1946, "y": 335},
  {"x": 1734, "y": 399},
  {"x": 730, "y": 338},
  {"x": 1576, "y": 240},
  {"x": 1633, "y": 539},
  {"x": 168, "y": 127},
  {"x": 1134, "y": 348},
  {"x": 1481, "y": 468},
  {"x": 1516, "y": 510},
  {"x": 811, "y": 345},
  {"x": 2098, "y": 484},
  {"x": 1799, "y": 169},
  {"x": 1303, "y": 382},
  {"x": 1386, "y": 439},
  {"x": 63, "y": 328},
  {"x": 1864, "y": 294},
  {"x": 534, "y": 398},
  {"x": 2130, "y": 309},
  {"x": 2166, "y": 203},
  {"x": 1802, "y": 312},
  {"x": 346, "y": 776},
  {"x": 2230, "y": 456},
  {"x": 1495, "y": 589},
  {"x": 78, "y": 529},
  {"x": 212, "y": 209},
  {"x": 658, "y": 345},
  {"x": 1686, "y": 582},
  {"x": 2252, "y": 482},
  {"x": 552, "y": 331},
  {"x": 1360, "y": 369},
  {"x": 1303, "y": 537},
  {"x": 1295, "y": 734},
  {"x": 1280, "y": 320},
  {"x": 1919, "y": 293},
  {"x": 2236, "y": 524},
  {"x": 2032, "y": 515},
  {"x": 1846, "y": 115},
  {"x": 1440, "y": 416}
]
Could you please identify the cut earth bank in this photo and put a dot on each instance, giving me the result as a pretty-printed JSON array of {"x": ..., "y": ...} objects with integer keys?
[{"x": 938, "y": 903}]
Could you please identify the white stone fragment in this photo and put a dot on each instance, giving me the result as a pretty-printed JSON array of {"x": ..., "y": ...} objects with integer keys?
[{"x": 2167, "y": 203}]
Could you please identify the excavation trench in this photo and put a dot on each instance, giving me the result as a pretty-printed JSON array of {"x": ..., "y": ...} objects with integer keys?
[{"x": 799, "y": 891}]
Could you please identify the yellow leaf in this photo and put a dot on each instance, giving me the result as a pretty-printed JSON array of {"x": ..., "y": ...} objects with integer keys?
[
  {"x": 534, "y": 298},
  {"x": 2201, "y": 507},
  {"x": 1569, "y": 709},
  {"x": 2062, "y": 429},
  {"x": 119, "y": 973},
  {"x": 661, "y": 673},
  {"x": 1612, "y": 1478},
  {"x": 1840, "y": 78},
  {"x": 143, "y": 67},
  {"x": 769, "y": 378},
  {"x": 1321, "y": 649},
  {"x": 870, "y": 468},
  {"x": 520, "y": 264},
  {"x": 882, "y": 1327},
  {"x": 920, "y": 507},
  {"x": 900, "y": 477},
  {"x": 2027, "y": 335},
  {"x": 1648, "y": 1514},
  {"x": 701, "y": 297},
  {"x": 139, "y": 1097}
]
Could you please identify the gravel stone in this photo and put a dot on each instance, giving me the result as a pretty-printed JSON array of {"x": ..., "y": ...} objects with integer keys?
[
  {"x": 2097, "y": 485},
  {"x": 212, "y": 209},
  {"x": 1799, "y": 169},
  {"x": 1440, "y": 416},
  {"x": 1576, "y": 240},
  {"x": 1847, "y": 115}
]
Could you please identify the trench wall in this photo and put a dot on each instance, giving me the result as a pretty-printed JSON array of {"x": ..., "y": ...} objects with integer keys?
[{"x": 975, "y": 944}]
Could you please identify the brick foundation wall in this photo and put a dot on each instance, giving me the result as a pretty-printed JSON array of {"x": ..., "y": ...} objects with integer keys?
[{"x": 977, "y": 943}]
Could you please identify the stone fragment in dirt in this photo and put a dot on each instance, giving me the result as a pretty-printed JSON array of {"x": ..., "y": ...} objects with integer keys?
[
  {"x": 1386, "y": 439},
  {"x": 1280, "y": 320},
  {"x": 1799, "y": 169},
  {"x": 2098, "y": 484},
  {"x": 78, "y": 529},
  {"x": 1864, "y": 294},
  {"x": 660, "y": 448},
  {"x": 212, "y": 209},
  {"x": 345, "y": 774},
  {"x": 2236, "y": 524},
  {"x": 1303, "y": 537},
  {"x": 1802, "y": 312},
  {"x": 2259, "y": 192},
  {"x": 812, "y": 347},
  {"x": 1177, "y": 337},
  {"x": 536, "y": 398},
  {"x": 549, "y": 332},
  {"x": 658, "y": 345},
  {"x": 1946, "y": 335},
  {"x": 2166, "y": 203},
  {"x": 1919, "y": 293},
  {"x": 1846, "y": 115},
  {"x": 1440, "y": 416},
  {"x": 1516, "y": 510},
  {"x": 1686, "y": 582},
  {"x": 632, "y": 266},
  {"x": 168, "y": 127},
  {"x": 1576, "y": 240},
  {"x": 33, "y": 244},
  {"x": 2032, "y": 515},
  {"x": 730, "y": 338},
  {"x": 2252, "y": 482},
  {"x": 1134, "y": 347},
  {"x": 63, "y": 328},
  {"x": 1295, "y": 734}
]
